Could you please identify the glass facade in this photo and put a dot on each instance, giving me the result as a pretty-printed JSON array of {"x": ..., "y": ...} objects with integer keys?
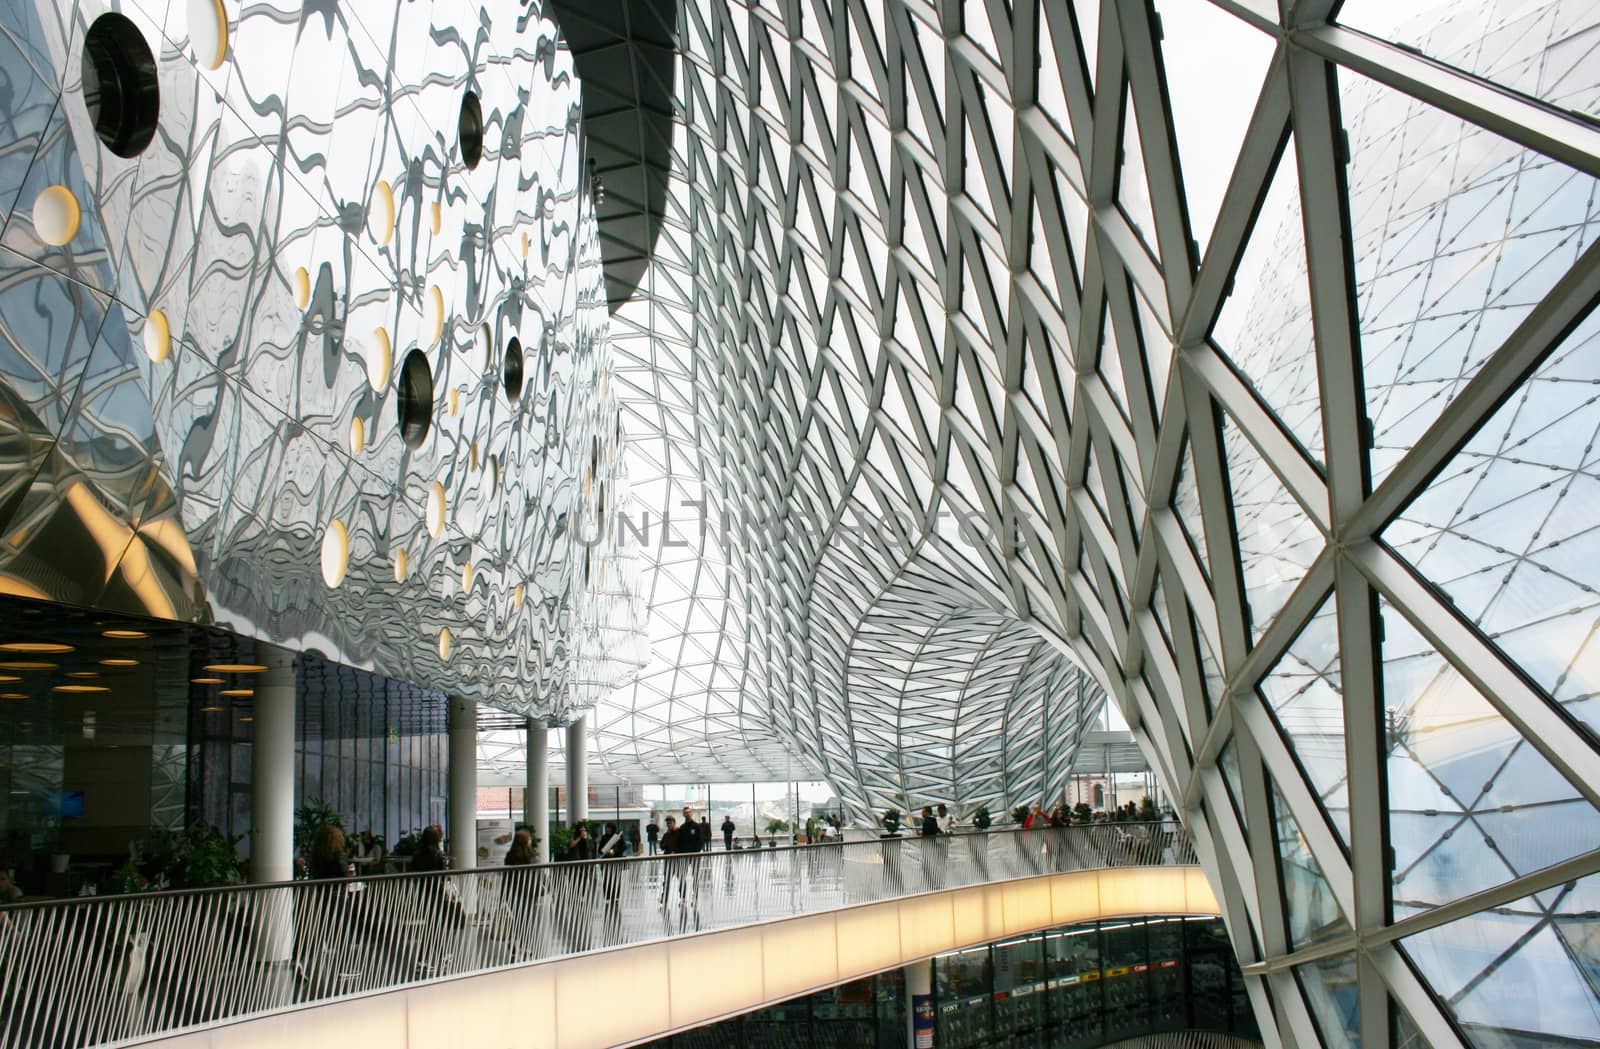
[{"x": 1073, "y": 987}]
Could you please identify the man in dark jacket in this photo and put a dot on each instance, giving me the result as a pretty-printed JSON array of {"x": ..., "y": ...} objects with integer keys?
[
  {"x": 727, "y": 831},
  {"x": 652, "y": 835}
]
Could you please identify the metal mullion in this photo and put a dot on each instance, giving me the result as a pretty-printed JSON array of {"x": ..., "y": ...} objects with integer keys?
[
  {"x": 1216, "y": 517},
  {"x": 1302, "y": 603},
  {"x": 1278, "y": 450},
  {"x": 1261, "y": 839},
  {"x": 1132, "y": 257},
  {"x": 1250, "y": 711},
  {"x": 1190, "y": 672},
  {"x": 1133, "y": 361},
  {"x": 1207, "y": 751},
  {"x": 1544, "y": 329},
  {"x": 1415, "y": 998},
  {"x": 1263, "y": 145},
  {"x": 1220, "y": 843},
  {"x": 1294, "y": 1016},
  {"x": 1545, "y": 725},
  {"x": 1530, "y": 123},
  {"x": 1147, "y": 79}
]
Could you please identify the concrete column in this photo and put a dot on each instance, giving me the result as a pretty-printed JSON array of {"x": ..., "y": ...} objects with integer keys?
[
  {"x": 462, "y": 790},
  {"x": 919, "y": 1004},
  {"x": 578, "y": 771},
  {"x": 536, "y": 797},
  {"x": 272, "y": 768}
]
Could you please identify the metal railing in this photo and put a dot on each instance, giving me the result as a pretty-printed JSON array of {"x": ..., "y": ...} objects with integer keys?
[{"x": 110, "y": 970}]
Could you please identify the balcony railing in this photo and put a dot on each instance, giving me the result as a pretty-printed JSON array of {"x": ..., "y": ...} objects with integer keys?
[{"x": 110, "y": 970}]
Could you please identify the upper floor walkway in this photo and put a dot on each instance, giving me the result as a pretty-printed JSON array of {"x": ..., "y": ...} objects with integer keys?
[{"x": 636, "y": 948}]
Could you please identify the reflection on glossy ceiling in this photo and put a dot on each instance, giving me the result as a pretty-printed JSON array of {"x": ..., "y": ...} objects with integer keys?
[
  {"x": 1249, "y": 360},
  {"x": 303, "y": 333}
]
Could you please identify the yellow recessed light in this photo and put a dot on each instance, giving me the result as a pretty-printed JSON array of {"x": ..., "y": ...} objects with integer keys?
[
  {"x": 39, "y": 648},
  {"x": 247, "y": 717},
  {"x": 23, "y": 665},
  {"x": 82, "y": 673},
  {"x": 13, "y": 695},
  {"x": 124, "y": 635},
  {"x": 119, "y": 662},
  {"x": 237, "y": 692},
  {"x": 210, "y": 710},
  {"x": 80, "y": 688},
  {"x": 236, "y": 668},
  {"x": 205, "y": 680}
]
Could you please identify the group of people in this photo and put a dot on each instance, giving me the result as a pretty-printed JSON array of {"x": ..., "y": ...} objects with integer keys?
[
  {"x": 331, "y": 856},
  {"x": 933, "y": 824}
]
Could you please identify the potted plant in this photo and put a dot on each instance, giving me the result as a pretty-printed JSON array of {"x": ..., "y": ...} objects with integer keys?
[
  {"x": 1019, "y": 815},
  {"x": 406, "y": 844},
  {"x": 891, "y": 822},
  {"x": 777, "y": 826},
  {"x": 981, "y": 819},
  {"x": 1082, "y": 813},
  {"x": 201, "y": 857},
  {"x": 309, "y": 820},
  {"x": 1147, "y": 810}
]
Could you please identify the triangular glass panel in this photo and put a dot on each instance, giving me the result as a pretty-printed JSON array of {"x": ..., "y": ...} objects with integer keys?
[
  {"x": 1210, "y": 113},
  {"x": 1472, "y": 803},
  {"x": 1543, "y": 50},
  {"x": 1265, "y": 324},
  {"x": 1458, "y": 235},
  {"x": 1051, "y": 95},
  {"x": 1277, "y": 541},
  {"x": 1087, "y": 14},
  {"x": 1524, "y": 973},
  {"x": 1307, "y": 700},
  {"x": 1186, "y": 504},
  {"x": 1228, "y": 765},
  {"x": 1330, "y": 986},
  {"x": 1312, "y": 912},
  {"x": 1109, "y": 365},
  {"x": 1133, "y": 187},
  {"x": 1507, "y": 529}
]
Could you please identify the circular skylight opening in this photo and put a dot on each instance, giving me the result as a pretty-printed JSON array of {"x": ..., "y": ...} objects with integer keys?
[
  {"x": 416, "y": 399},
  {"x": 119, "y": 85},
  {"x": 511, "y": 370},
  {"x": 470, "y": 129}
]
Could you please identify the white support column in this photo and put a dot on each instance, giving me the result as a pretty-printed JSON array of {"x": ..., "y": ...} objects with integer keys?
[
  {"x": 919, "y": 997},
  {"x": 462, "y": 804},
  {"x": 536, "y": 796},
  {"x": 578, "y": 771},
  {"x": 272, "y": 768}
]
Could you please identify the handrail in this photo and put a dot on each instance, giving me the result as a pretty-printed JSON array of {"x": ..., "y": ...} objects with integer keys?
[{"x": 114, "y": 970}]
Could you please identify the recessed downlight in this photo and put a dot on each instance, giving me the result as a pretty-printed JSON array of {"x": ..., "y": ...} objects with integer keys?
[
  {"x": 22, "y": 664},
  {"x": 210, "y": 710},
  {"x": 37, "y": 648},
  {"x": 205, "y": 681},
  {"x": 82, "y": 674},
  {"x": 236, "y": 668},
  {"x": 239, "y": 692},
  {"x": 9, "y": 677},
  {"x": 80, "y": 688},
  {"x": 13, "y": 695},
  {"x": 124, "y": 635},
  {"x": 246, "y": 718},
  {"x": 119, "y": 662}
]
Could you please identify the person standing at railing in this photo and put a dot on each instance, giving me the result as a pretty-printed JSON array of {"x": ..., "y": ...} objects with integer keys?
[
  {"x": 930, "y": 823},
  {"x": 728, "y": 827},
  {"x": 947, "y": 822},
  {"x": 430, "y": 851}
]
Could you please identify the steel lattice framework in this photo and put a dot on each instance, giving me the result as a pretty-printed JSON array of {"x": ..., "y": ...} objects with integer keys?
[{"x": 1301, "y": 467}]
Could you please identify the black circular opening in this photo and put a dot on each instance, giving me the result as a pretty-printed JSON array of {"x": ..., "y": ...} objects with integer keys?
[
  {"x": 511, "y": 370},
  {"x": 470, "y": 129},
  {"x": 416, "y": 399},
  {"x": 119, "y": 85}
]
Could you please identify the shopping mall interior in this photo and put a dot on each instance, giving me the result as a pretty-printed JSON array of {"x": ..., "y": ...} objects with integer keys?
[{"x": 676, "y": 523}]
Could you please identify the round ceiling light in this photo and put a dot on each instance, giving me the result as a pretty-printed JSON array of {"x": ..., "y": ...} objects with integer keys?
[
  {"x": 399, "y": 566},
  {"x": 380, "y": 213},
  {"x": 119, "y": 662},
  {"x": 157, "y": 336},
  {"x": 335, "y": 553},
  {"x": 9, "y": 678},
  {"x": 435, "y": 520},
  {"x": 433, "y": 316},
  {"x": 80, "y": 688},
  {"x": 83, "y": 673},
  {"x": 56, "y": 216},
  {"x": 358, "y": 435},
  {"x": 466, "y": 577},
  {"x": 236, "y": 692},
  {"x": 444, "y": 643},
  {"x": 302, "y": 288},
  {"x": 237, "y": 668},
  {"x": 205, "y": 680},
  {"x": 26, "y": 665},
  {"x": 379, "y": 355},
  {"x": 124, "y": 635},
  {"x": 436, "y": 220},
  {"x": 39, "y": 648},
  {"x": 208, "y": 32},
  {"x": 210, "y": 710},
  {"x": 13, "y": 695}
]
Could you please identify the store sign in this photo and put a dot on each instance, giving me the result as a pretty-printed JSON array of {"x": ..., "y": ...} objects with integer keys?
[{"x": 922, "y": 1021}]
